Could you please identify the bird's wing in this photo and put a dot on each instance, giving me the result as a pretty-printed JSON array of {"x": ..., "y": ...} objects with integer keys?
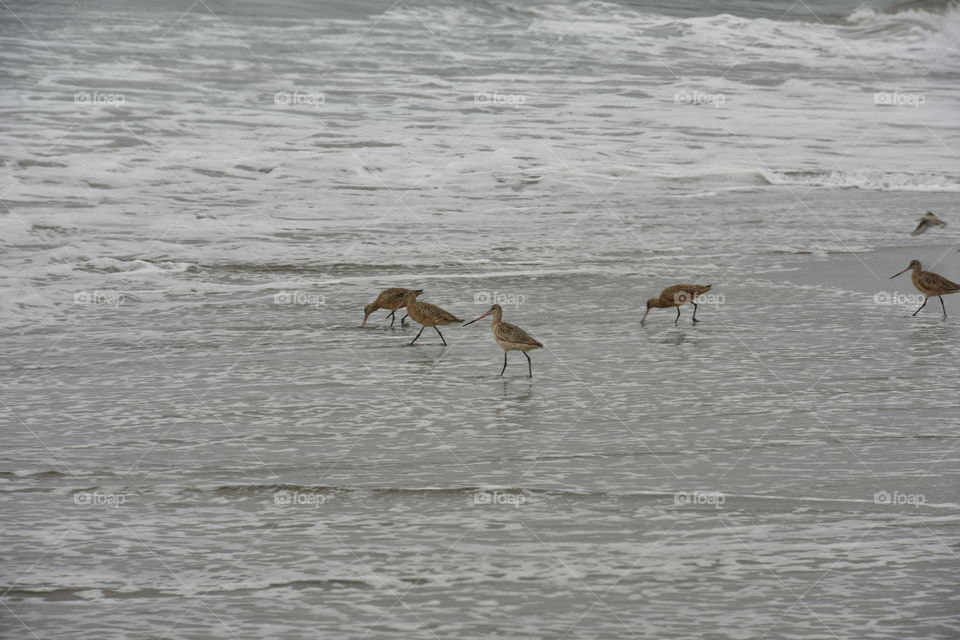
[
  {"x": 936, "y": 282},
  {"x": 669, "y": 295},
  {"x": 393, "y": 295},
  {"x": 924, "y": 223},
  {"x": 437, "y": 312},
  {"x": 514, "y": 334},
  {"x": 683, "y": 293}
]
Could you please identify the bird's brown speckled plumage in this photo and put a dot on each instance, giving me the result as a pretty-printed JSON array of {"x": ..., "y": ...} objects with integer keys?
[
  {"x": 929, "y": 284},
  {"x": 429, "y": 315},
  {"x": 510, "y": 337},
  {"x": 676, "y": 296},
  {"x": 393, "y": 298}
]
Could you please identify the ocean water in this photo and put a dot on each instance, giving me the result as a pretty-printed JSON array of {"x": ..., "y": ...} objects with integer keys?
[{"x": 198, "y": 198}]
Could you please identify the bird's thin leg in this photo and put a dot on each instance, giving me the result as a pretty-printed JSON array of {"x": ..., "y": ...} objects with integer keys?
[
  {"x": 418, "y": 335},
  {"x": 403, "y": 320},
  {"x": 922, "y": 306},
  {"x": 678, "y": 316},
  {"x": 529, "y": 363},
  {"x": 392, "y": 317},
  {"x": 504, "y": 363},
  {"x": 694, "y": 310},
  {"x": 944, "y": 306},
  {"x": 440, "y": 334}
]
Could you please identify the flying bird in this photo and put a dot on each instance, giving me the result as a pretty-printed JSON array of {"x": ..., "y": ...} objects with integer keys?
[{"x": 926, "y": 221}]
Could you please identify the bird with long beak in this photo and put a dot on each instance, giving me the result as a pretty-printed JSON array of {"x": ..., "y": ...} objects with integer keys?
[
  {"x": 429, "y": 315},
  {"x": 675, "y": 296},
  {"x": 510, "y": 337},
  {"x": 926, "y": 221},
  {"x": 929, "y": 284},
  {"x": 392, "y": 299}
]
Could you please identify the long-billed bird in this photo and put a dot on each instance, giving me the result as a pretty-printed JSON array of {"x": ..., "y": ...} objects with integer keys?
[
  {"x": 392, "y": 299},
  {"x": 510, "y": 337},
  {"x": 429, "y": 315},
  {"x": 676, "y": 296},
  {"x": 929, "y": 284}
]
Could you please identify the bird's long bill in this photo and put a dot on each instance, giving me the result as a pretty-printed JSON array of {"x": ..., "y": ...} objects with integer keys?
[
  {"x": 644, "y": 318},
  {"x": 364, "y": 323},
  {"x": 480, "y": 318},
  {"x": 899, "y": 272}
]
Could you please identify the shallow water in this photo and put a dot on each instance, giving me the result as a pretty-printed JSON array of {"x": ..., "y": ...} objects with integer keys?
[{"x": 202, "y": 443}]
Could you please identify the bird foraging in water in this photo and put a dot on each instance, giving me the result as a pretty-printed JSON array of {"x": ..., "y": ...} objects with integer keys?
[
  {"x": 926, "y": 221},
  {"x": 675, "y": 296},
  {"x": 429, "y": 315},
  {"x": 510, "y": 337},
  {"x": 392, "y": 299},
  {"x": 929, "y": 284}
]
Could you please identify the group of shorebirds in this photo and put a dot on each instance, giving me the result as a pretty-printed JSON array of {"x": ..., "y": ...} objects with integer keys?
[{"x": 512, "y": 338}]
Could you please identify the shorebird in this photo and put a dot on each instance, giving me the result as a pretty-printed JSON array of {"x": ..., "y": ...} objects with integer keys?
[
  {"x": 929, "y": 284},
  {"x": 926, "y": 221},
  {"x": 510, "y": 337},
  {"x": 429, "y": 315},
  {"x": 675, "y": 296},
  {"x": 393, "y": 299}
]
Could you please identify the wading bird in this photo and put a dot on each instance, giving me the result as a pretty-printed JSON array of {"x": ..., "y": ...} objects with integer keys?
[
  {"x": 926, "y": 221},
  {"x": 510, "y": 337},
  {"x": 429, "y": 315},
  {"x": 392, "y": 299},
  {"x": 675, "y": 296},
  {"x": 929, "y": 284}
]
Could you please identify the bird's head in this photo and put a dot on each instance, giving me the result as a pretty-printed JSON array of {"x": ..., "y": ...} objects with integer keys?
[
  {"x": 367, "y": 310},
  {"x": 914, "y": 264}
]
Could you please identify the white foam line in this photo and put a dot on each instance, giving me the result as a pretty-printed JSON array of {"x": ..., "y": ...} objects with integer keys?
[{"x": 469, "y": 276}]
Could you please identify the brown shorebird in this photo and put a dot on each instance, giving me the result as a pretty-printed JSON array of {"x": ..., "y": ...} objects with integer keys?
[
  {"x": 510, "y": 337},
  {"x": 429, "y": 315},
  {"x": 929, "y": 284},
  {"x": 393, "y": 299},
  {"x": 675, "y": 296},
  {"x": 926, "y": 221}
]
